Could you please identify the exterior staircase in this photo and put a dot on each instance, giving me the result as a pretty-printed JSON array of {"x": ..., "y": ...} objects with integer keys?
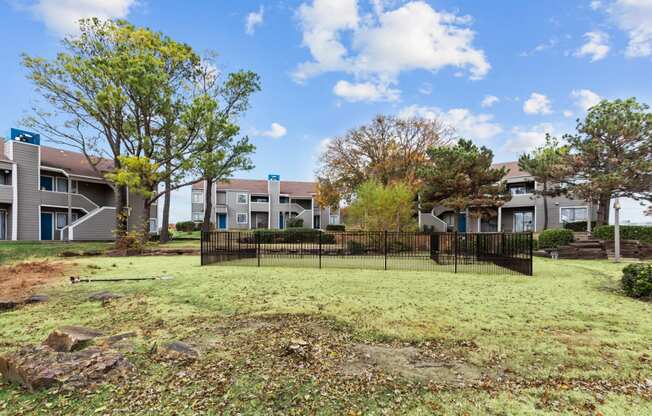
[{"x": 588, "y": 249}]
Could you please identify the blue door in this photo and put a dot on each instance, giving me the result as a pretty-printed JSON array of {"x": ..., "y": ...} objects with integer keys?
[
  {"x": 47, "y": 222},
  {"x": 281, "y": 221},
  {"x": 221, "y": 221},
  {"x": 461, "y": 223}
]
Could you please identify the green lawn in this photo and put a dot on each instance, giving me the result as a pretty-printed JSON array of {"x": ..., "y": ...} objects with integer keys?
[{"x": 565, "y": 341}]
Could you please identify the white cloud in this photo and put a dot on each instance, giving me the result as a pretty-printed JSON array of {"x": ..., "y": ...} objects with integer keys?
[
  {"x": 596, "y": 46},
  {"x": 635, "y": 18},
  {"x": 386, "y": 42},
  {"x": 62, "y": 16},
  {"x": 425, "y": 88},
  {"x": 276, "y": 131},
  {"x": 254, "y": 19},
  {"x": 585, "y": 99},
  {"x": 596, "y": 4},
  {"x": 365, "y": 91},
  {"x": 568, "y": 113},
  {"x": 527, "y": 139},
  {"x": 537, "y": 104},
  {"x": 489, "y": 101},
  {"x": 549, "y": 44},
  {"x": 479, "y": 127}
]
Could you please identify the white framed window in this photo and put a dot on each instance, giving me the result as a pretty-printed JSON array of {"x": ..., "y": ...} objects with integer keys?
[
  {"x": 197, "y": 197},
  {"x": 573, "y": 214},
  {"x": 242, "y": 218},
  {"x": 243, "y": 198},
  {"x": 75, "y": 187},
  {"x": 153, "y": 225},
  {"x": 62, "y": 184},
  {"x": 62, "y": 220},
  {"x": 197, "y": 216},
  {"x": 47, "y": 183},
  {"x": 334, "y": 219}
]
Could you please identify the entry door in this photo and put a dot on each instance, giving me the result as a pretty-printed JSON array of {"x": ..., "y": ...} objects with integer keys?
[
  {"x": 281, "y": 221},
  {"x": 461, "y": 223},
  {"x": 47, "y": 225},
  {"x": 523, "y": 221},
  {"x": 221, "y": 221},
  {"x": 317, "y": 222},
  {"x": 3, "y": 225}
]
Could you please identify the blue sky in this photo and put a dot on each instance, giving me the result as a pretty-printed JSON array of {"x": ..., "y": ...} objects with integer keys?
[{"x": 502, "y": 73}]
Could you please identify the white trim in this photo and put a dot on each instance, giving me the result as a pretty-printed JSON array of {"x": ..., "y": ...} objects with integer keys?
[
  {"x": 249, "y": 206},
  {"x": 64, "y": 207},
  {"x": 14, "y": 204},
  {"x": 534, "y": 228},
  {"x": 500, "y": 219},
  {"x": 55, "y": 170}
]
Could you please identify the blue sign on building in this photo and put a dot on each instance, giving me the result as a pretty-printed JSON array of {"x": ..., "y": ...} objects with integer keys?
[
  {"x": 274, "y": 177},
  {"x": 25, "y": 136}
]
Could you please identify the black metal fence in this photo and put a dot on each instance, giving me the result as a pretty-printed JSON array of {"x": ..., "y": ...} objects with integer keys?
[{"x": 452, "y": 252}]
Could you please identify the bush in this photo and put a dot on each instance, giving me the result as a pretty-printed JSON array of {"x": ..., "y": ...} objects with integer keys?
[
  {"x": 185, "y": 226},
  {"x": 555, "y": 238},
  {"x": 578, "y": 226},
  {"x": 637, "y": 280},
  {"x": 295, "y": 223},
  {"x": 627, "y": 232},
  {"x": 336, "y": 227},
  {"x": 291, "y": 236},
  {"x": 355, "y": 247}
]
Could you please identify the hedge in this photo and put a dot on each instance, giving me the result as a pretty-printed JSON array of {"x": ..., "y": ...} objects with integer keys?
[
  {"x": 295, "y": 223},
  {"x": 637, "y": 280},
  {"x": 292, "y": 235},
  {"x": 336, "y": 227},
  {"x": 627, "y": 232},
  {"x": 185, "y": 226},
  {"x": 578, "y": 226},
  {"x": 555, "y": 238}
]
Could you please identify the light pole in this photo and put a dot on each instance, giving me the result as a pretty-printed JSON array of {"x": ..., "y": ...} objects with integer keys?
[{"x": 617, "y": 230}]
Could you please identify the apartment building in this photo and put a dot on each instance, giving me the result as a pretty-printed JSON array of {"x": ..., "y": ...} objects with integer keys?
[
  {"x": 243, "y": 204},
  {"x": 524, "y": 212},
  {"x": 54, "y": 194}
]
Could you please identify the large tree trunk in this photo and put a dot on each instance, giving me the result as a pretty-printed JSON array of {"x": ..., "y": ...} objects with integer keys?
[
  {"x": 208, "y": 204},
  {"x": 165, "y": 223},
  {"x": 121, "y": 212},
  {"x": 603, "y": 210},
  {"x": 144, "y": 232},
  {"x": 545, "y": 207}
]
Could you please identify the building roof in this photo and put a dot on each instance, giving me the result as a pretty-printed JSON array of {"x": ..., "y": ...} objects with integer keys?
[
  {"x": 259, "y": 186},
  {"x": 73, "y": 163},
  {"x": 513, "y": 171}
]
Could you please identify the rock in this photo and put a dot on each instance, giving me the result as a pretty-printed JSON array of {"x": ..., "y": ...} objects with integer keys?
[
  {"x": 299, "y": 348},
  {"x": 37, "y": 299},
  {"x": 104, "y": 296},
  {"x": 166, "y": 277},
  {"x": 70, "y": 338},
  {"x": 120, "y": 337},
  {"x": 39, "y": 367},
  {"x": 69, "y": 254},
  {"x": 7, "y": 305},
  {"x": 92, "y": 253},
  {"x": 179, "y": 350}
]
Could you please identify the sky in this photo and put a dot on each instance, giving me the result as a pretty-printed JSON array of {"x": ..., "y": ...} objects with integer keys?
[{"x": 502, "y": 73}]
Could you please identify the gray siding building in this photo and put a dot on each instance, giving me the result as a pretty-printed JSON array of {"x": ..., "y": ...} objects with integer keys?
[
  {"x": 55, "y": 194},
  {"x": 243, "y": 204},
  {"x": 524, "y": 212}
]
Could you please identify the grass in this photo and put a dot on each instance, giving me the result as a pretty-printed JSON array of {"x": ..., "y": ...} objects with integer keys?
[{"x": 567, "y": 339}]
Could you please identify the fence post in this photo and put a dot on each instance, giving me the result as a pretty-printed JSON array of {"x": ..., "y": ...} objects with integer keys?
[
  {"x": 201, "y": 250},
  {"x": 385, "y": 249},
  {"x": 531, "y": 270},
  {"x": 320, "y": 233},
  {"x": 257, "y": 247},
  {"x": 456, "y": 249}
]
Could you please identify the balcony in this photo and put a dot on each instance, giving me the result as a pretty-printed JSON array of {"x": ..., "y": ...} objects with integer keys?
[
  {"x": 524, "y": 200},
  {"x": 6, "y": 194},
  {"x": 260, "y": 206},
  {"x": 60, "y": 199}
]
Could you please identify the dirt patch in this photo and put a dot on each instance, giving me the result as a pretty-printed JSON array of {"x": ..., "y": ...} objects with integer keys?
[
  {"x": 18, "y": 281},
  {"x": 412, "y": 363}
]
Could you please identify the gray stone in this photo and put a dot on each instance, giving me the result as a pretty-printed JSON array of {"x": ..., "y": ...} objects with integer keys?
[
  {"x": 39, "y": 367},
  {"x": 37, "y": 299},
  {"x": 7, "y": 305},
  {"x": 179, "y": 350},
  {"x": 69, "y": 338}
]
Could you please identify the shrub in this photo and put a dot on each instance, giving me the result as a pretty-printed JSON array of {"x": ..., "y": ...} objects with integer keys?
[
  {"x": 291, "y": 236},
  {"x": 578, "y": 226},
  {"x": 555, "y": 238},
  {"x": 355, "y": 247},
  {"x": 185, "y": 226},
  {"x": 637, "y": 280},
  {"x": 627, "y": 232},
  {"x": 336, "y": 227},
  {"x": 295, "y": 222}
]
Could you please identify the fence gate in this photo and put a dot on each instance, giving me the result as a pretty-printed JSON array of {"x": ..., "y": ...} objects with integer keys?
[{"x": 451, "y": 252}]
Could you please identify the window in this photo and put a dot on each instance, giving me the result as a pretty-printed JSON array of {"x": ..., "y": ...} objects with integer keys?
[
  {"x": 5, "y": 177},
  {"x": 283, "y": 199},
  {"x": 449, "y": 219},
  {"x": 47, "y": 183},
  {"x": 573, "y": 214},
  {"x": 243, "y": 198},
  {"x": 197, "y": 197},
  {"x": 523, "y": 221},
  {"x": 75, "y": 216},
  {"x": 524, "y": 188},
  {"x": 242, "y": 218},
  {"x": 62, "y": 185},
  {"x": 75, "y": 187},
  {"x": 259, "y": 198},
  {"x": 197, "y": 216},
  {"x": 62, "y": 220},
  {"x": 153, "y": 225},
  {"x": 3, "y": 225},
  {"x": 518, "y": 190},
  {"x": 334, "y": 219}
]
